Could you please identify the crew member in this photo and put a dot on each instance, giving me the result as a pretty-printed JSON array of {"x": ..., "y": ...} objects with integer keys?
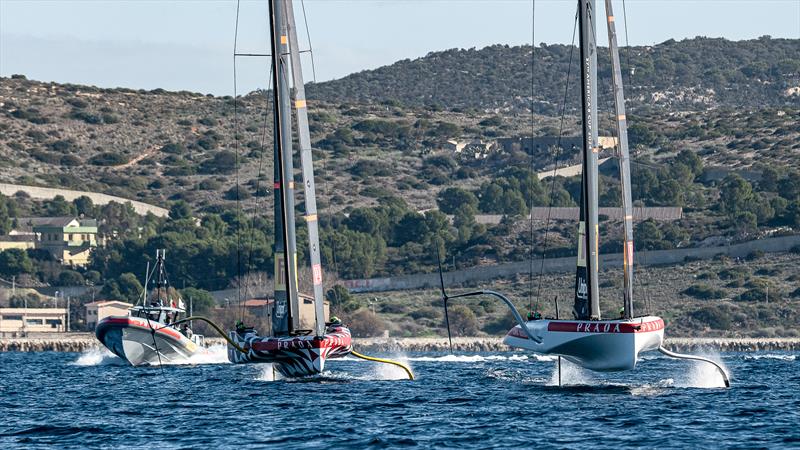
[
  {"x": 534, "y": 315},
  {"x": 186, "y": 330},
  {"x": 240, "y": 328}
]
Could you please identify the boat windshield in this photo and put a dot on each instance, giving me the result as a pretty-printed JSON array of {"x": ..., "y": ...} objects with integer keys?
[{"x": 166, "y": 315}]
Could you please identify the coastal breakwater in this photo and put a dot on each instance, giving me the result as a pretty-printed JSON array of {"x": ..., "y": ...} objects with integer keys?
[
  {"x": 79, "y": 342},
  {"x": 481, "y": 344}
]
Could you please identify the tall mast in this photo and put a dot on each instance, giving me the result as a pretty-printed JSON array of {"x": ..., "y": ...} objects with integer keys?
[
  {"x": 306, "y": 161},
  {"x": 285, "y": 311},
  {"x": 587, "y": 299},
  {"x": 624, "y": 163}
]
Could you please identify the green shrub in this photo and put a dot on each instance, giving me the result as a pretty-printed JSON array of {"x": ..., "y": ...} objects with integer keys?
[
  {"x": 425, "y": 313},
  {"x": 463, "y": 321},
  {"x": 364, "y": 323},
  {"x": 704, "y": 292},
  {"x": 108, "y": 159},
  {"x": 714, "y": 317},
  {"x": 209, "y": 185},
  {"x": 87, "y": 117},
  {"x": 753, "y": 295}
]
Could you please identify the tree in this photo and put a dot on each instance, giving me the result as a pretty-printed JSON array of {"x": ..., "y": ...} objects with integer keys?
[
  {"x": 5, "y": 219},
  {"x": 491, "y": 200},
  {"x": 340, "y": 299},
  {"x": 367, "y": 220},
  {"x": 70, "y": 278},
  {"x": 745, "y": 221},
  {"x": 769, "y": 179},
  {"x": 464, "y": 222},
  {"x": 648, "y": 236},
  {"x": 438, "y": 226},
  {"x": 58, "y": 206},
  {"x": 125, "y": 287},
  {"x": 411, "y": 228},
  {"x": 452, "y": 199},
  {"x": 358, "y": 255},
  {"x": 736, "y": 195},
  {"x": 201, "y": 300},
  {"x": 84, "y": 205},
  {"x": 180, "y": 210},
  {"x": 463, "y": 321},
  {"x": 690, "y": 160},
  {"x": 514, "y": 203},
  {"x": 365, "y": 323},
  {"x": 14, "y": 262}
]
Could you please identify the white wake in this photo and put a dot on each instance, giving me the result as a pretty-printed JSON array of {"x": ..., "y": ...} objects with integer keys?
[{"x": 99, "y": 356}]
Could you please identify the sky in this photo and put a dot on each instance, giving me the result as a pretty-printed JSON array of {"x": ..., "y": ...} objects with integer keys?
[{"x": 188, "y": 44}]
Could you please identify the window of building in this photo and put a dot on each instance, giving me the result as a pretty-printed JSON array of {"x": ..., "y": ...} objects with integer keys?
[
  {"x": 53, "y": 322},
  {"x": 12, "y": 317},
  {"x": 34, "y": 321}
]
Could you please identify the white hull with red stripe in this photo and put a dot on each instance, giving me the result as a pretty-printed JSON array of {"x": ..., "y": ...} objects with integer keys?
[
  {"x": 601, "y": 345},
  {"x": 140, "y": 342}
]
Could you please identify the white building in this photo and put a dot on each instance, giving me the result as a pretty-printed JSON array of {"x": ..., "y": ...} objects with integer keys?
[{"x": 21, "y": 321}]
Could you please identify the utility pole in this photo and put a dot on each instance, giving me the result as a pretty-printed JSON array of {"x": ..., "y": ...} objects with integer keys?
[
  {"x": 68, "y": 299},
  {"x": 13, "y": 286}
]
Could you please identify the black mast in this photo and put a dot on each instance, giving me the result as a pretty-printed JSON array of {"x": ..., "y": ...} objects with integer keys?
[
  {"x": 587, "y": 300},
  {"x": 285, "y": 310}
]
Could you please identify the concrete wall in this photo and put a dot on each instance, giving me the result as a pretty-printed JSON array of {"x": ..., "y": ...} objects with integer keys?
[
  {"x": 567, "y": 264},
  {"x": 43, "y": 193}
]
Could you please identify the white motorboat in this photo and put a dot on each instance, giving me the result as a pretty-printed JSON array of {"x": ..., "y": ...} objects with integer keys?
[{"x": 154, "y": 333}]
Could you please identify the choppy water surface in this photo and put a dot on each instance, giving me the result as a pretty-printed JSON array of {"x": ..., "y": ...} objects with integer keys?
[{"x": 458, "y": 401}]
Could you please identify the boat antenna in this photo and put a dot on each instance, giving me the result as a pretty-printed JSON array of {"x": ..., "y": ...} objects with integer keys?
[
  {"x": 444, "y": 298},
  {"x": 147, "y": 276}
]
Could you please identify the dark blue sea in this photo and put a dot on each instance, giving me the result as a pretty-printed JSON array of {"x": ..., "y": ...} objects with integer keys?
[{"x": 503, "y": 400}]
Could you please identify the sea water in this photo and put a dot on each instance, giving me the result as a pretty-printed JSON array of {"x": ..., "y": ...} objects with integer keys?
[{"x": 487, "y": 400}]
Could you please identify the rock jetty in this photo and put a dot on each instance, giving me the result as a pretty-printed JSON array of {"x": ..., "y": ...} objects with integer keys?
[{"x": 78, "y": 342}]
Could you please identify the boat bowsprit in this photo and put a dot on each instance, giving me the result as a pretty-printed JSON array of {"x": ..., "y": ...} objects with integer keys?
[
  {"x": 293, "y": 356},
  {"x": 601, "y": 345},
  {"x": 140, "y": 342}
]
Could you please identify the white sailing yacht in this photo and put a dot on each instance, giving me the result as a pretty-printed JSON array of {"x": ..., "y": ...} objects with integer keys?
[
  {"x": 293, "y": 350},
  {"x": 589, "y": 340}
]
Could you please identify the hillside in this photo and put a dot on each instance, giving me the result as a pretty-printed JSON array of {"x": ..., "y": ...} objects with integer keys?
[
  {"x": 380, "y": 163},
  {"x": 695, "y": 74}
]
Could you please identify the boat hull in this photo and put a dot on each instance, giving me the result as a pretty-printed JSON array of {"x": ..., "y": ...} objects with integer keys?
[
  {"x": 600, "y": 345},
  {"x": 292, "y": 356},
  {"x": 135, "y": 340}
]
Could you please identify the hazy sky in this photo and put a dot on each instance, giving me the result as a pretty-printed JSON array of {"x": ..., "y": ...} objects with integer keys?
[{"x": 188, "y": 44}]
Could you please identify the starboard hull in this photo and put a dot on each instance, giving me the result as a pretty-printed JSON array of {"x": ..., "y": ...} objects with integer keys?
[
  {"x": 293, "y": 356},
  {"x": 136, "y": 341},
  {"x": 600, "y": 345}
]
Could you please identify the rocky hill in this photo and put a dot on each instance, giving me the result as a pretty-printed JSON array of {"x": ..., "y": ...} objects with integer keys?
[
  {"x": 693, "y": 74},
  {"x": 380, "y": 160}
]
